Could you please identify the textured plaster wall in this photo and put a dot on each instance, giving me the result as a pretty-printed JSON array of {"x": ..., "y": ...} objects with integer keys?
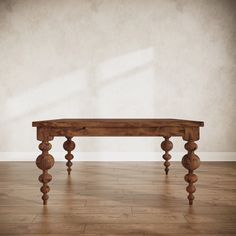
[{"x": 115, "y": 58}]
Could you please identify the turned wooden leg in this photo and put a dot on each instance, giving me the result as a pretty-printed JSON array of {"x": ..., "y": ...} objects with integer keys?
[
  {"x": 191, "y": 162},
  {"x": 69, "y": 146},
  {"x": 45, "y": 161},
  {"x": 166, "y": 146}
]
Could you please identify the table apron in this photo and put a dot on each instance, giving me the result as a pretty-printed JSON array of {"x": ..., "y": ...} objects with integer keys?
[{"x": 110, "y": 131}]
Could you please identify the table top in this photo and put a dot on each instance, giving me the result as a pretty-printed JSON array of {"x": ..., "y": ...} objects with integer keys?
[{"x": 119, "y": 123}]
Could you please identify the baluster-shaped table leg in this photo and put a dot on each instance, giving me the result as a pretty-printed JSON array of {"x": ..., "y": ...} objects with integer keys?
[
  {"x": 166, "y": 146},
  {"x": 45, "y": 161},
  {"x": 191, "y": 162},
  {"x": 69, "y": 146}
]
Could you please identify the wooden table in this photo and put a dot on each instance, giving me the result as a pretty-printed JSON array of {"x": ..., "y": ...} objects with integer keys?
[{"x": 69, "y": 128}]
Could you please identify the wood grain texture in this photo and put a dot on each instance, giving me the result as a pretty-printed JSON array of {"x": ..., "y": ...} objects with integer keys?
[
  {"x": 166, "y": 145},
  {"x": 121, "y": 123},
  {"x": 188, "y": 130},
  {"x": 116, "y": 131},
  {"x": 191, "y": 161},
  {"x": 115, "y": 198},
  {"x": 45, "y": 161},
  {"x": 69, "y": 146}
]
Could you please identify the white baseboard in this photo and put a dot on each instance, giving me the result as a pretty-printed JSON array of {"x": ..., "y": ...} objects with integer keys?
[{"x": 118, "y": 156}]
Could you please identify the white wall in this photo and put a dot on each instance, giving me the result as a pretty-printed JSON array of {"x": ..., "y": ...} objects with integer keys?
[{"x": 115, "y": 58}]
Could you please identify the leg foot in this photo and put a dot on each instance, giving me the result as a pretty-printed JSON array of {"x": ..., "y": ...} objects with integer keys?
[
  {"x": 69, "y": 146},
  {"x": 45, "y": 161},
  {"x": 166, "y": 146},
  {"x": 191, "y": 162}
]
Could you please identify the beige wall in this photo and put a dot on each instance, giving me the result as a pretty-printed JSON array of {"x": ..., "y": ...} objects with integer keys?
[{"x": 117, "y": 58}]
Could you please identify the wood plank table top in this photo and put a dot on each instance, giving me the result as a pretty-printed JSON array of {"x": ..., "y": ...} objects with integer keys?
[{"x": 116, "y": 123}]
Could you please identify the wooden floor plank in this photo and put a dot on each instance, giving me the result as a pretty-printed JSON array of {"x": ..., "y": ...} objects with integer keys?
[{"x": 118, "y": 198}]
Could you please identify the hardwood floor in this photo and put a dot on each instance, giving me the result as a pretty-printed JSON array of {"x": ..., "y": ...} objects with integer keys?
[{"x": 118, "y": 198}]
